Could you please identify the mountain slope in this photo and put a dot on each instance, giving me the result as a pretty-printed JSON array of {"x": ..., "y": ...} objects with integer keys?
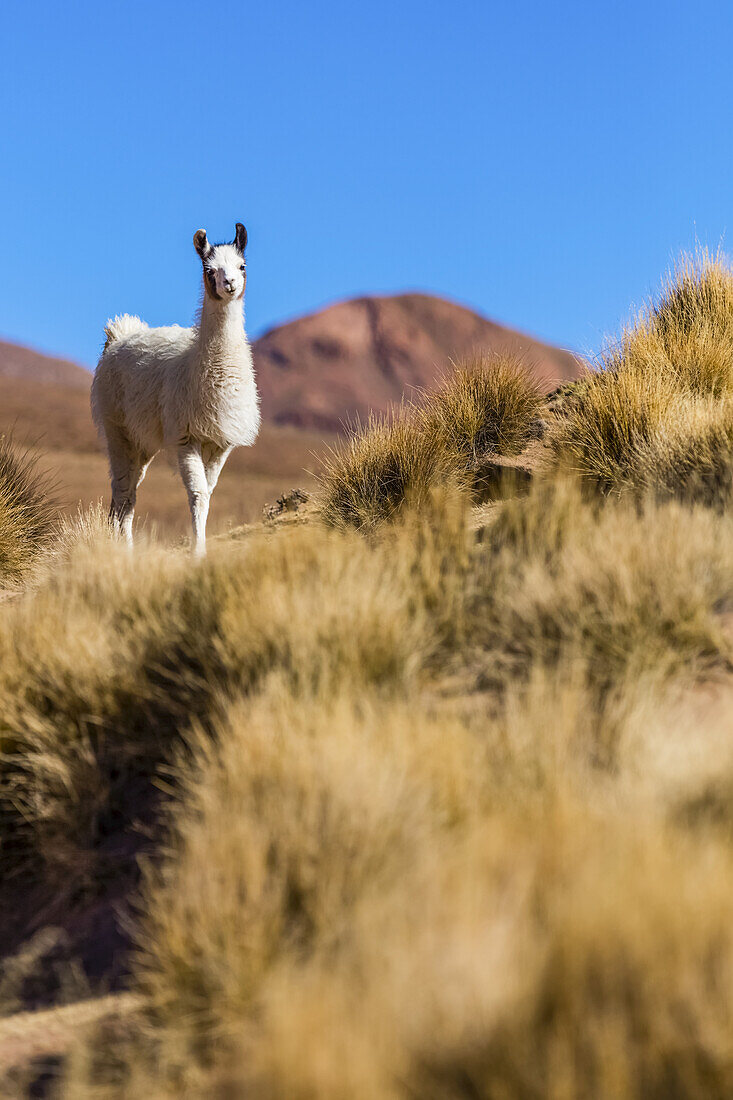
[
  {"x": 367, "y": 353},
  {"x": 17, "y": 361}
]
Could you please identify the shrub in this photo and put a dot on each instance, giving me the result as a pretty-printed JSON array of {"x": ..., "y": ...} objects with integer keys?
[
  {"x": 690, "y": 458},
  {"x": 636, "y": 423},
  {"x": 27, "y": 512},
  {"x": 488, "y": 405},
  {"x": 621, "y": 591},
  {"x": 598, "y": 433},
  {"x": 693, "y": 319},
  {"x": 368, "y": 477}
]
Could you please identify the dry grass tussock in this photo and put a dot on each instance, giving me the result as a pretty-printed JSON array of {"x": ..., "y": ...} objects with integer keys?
[
  {"x": 658, "y": 416},
  {"x": 690, "y": 458},
  {"x": 367, "y": 478},
  {"x": 693, "y": 320},
  {"x": 27, "y": 513},
  {"x": 486, "y": 406},
  {"x": 621, "y": 590}
]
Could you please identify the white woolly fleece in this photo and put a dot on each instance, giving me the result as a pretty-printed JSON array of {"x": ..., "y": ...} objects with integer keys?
[{"x": 162, "y": 387}]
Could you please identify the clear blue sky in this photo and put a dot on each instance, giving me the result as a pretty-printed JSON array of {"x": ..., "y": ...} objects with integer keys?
[{"x": 541, "y": 162}]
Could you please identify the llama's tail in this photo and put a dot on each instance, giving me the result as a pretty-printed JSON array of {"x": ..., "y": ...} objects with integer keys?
[{"x": 120, "y": 327}]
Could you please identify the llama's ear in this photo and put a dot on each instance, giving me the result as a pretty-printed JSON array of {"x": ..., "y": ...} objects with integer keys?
[
  {"x": 201, "y": 243},
  {"x": 240, "y": 238}
]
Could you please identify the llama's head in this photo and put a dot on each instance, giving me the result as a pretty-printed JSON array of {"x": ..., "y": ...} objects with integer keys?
[{"x": 225, "y": 273}]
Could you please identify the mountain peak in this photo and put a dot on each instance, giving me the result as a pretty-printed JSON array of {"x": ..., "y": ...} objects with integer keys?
[{"x": 365, "y": 354}]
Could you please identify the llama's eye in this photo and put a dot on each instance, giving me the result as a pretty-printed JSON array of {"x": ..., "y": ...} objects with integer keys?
[{"x": 242, "y": 268}]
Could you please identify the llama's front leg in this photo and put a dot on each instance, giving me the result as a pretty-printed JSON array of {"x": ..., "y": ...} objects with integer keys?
[{"x": 191, "y": 465}]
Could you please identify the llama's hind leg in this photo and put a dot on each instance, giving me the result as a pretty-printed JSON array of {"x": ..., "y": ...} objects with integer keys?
[
  {"x": 139, "y": 469},
  {"x": 193, "y": 473},
  {"x": 214, "y": 459},
  {"x": 127, "y": 469}
]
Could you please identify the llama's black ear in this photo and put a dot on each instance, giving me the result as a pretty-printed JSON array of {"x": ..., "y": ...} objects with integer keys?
[
  {"x": 240, "y": 238},
  {"x": 201, "y": 243}
]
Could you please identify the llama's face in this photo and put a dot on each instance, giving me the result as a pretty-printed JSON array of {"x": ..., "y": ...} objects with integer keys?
[{"x": 225, "y": 274}]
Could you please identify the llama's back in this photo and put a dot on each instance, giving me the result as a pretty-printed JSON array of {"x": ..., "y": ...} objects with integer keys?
[{"x": 130, "y": 378}]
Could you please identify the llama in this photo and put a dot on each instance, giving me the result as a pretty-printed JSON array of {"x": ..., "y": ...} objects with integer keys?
[{"x": 192, "y": 389}]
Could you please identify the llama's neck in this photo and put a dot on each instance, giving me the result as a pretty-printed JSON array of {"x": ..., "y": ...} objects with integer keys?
[{"x": 221, "y": 330}]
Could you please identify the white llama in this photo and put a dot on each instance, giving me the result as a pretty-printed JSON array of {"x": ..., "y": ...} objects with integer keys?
[{"x": 189, "y": 388}]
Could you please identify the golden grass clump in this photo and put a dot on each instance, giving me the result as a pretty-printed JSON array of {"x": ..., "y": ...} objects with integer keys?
[
  {"x": 599, "y": 431},
  {"x": 367, "y": 478},
  {"x": 328, "y": 801},
  {"x": 488, "y": 405},
  {"x": 690, "y": 458},
  {"x": 369, "y": 899},
  {"x": 492, "y": 971},
  {"x": 693, "y": 319},
  {"x": 27, "y": 513},
  {"x": 646, "y": 421},
  {"x": 622, "y": 591}
]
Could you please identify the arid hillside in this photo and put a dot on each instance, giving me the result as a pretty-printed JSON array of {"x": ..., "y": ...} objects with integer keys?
[
  {"x": 20, "y": 362},
  {"x": 365, "y": 354}
]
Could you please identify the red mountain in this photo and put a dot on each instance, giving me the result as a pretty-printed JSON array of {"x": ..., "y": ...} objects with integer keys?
[
  {"x": 366, "y": 353},
  {"x": 19, "y": 362}
]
